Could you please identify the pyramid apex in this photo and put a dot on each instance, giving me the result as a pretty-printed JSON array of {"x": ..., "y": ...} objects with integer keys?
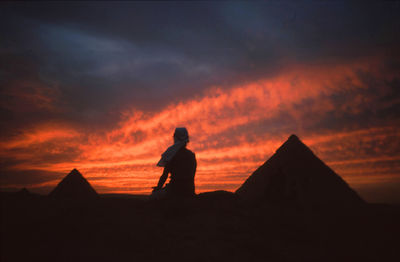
[
  {"x": 292, "y": 142},
  {"x": 293, "y": 137},
  {"x": 75, "y": 171}
]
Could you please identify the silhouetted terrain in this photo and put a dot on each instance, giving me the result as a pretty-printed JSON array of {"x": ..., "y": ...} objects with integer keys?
[
  {"x": 213, "y": 227},
  {"x": 293, "y": 208}
]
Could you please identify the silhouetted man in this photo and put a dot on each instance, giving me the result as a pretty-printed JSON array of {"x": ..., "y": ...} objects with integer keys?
[{"x": 181, "y": 164}]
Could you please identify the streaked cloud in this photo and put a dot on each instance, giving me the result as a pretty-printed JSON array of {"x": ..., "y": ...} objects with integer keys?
[
  {"x": 103, "y": 91},
  {"x": 219, "y": 122}
]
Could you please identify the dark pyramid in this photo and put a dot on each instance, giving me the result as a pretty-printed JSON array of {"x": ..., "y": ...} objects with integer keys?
[
  {"x": 74, "y": 186},
  {"x": 24, "y": 192},
  {"x": 295, "y": 175}
]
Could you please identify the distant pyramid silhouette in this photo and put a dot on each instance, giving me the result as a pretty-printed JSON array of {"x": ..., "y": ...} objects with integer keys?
[
  {"x": 74, "y": 186},
  {"x": 295, "y": 175},
  {"x": 24, "y": 193}
]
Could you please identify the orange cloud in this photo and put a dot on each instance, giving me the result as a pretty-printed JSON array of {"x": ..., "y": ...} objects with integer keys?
[
  {"x": 40, "y": 134},
  {"x": 224, "y": 125}
]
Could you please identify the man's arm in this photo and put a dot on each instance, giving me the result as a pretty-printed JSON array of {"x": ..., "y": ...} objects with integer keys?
[
  {"x": 163, "y": 178},
  {"x": 194, "y": 165}
]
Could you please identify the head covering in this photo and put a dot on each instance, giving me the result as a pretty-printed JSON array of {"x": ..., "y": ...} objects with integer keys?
[{"x": 181, "y": 137}]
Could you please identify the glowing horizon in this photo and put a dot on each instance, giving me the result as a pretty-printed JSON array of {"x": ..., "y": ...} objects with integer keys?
[
  {"x": 103, "y": 92},
  {"x": 123, "y": 158}
]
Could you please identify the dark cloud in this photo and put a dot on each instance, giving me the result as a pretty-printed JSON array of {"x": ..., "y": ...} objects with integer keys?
[
  {"x": 28, "y": 177},
  {"x": 112, "y": 54},
  {"x": 83, "y": 63}
]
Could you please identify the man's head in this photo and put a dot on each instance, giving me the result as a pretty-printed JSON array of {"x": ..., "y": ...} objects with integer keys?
[{"x": 181, "y": 135}]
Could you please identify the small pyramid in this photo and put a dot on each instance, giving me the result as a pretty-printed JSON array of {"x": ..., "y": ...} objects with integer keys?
[
  {"x": 74, "y": 186},
  {"x": 24, "y": 193},
  {"x": 295, "y": 175}
]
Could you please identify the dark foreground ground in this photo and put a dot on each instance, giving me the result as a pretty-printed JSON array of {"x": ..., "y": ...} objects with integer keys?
[{"x": 213, "y": 227}]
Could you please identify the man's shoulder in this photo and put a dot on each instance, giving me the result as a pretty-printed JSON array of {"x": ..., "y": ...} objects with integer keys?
[{"x": 188, "y": 152}]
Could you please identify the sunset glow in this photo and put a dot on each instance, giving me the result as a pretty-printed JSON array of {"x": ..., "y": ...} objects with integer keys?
[
  {"x": 343, "y": 109},
  {"x": 220, "y": 123}
]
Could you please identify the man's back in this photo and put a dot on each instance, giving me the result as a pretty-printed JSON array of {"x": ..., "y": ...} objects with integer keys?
[{"x": 183, "y": 169}]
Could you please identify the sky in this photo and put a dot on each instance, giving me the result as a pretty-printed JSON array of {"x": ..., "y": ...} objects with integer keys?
[{"x": 101, "y": 86}]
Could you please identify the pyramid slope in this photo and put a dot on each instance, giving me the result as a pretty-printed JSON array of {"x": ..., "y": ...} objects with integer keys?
[
  {"x": 295, "y": 175},
  {"x": 74, "y": 186}
]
